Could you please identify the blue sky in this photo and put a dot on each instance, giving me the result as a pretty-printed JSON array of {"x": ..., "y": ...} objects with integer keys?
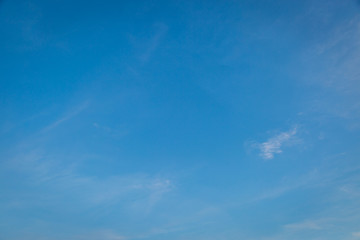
[{"x": 184, "y": 120}]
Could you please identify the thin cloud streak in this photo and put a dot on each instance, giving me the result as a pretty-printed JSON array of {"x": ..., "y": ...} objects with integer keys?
[
  {"x": 154, "y": 42},
  {"x": 67, "y": 116},
  {"x": 305, "y": 225}
]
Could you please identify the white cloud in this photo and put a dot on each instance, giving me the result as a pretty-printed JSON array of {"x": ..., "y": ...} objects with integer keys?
[
  {"x": 273, "y": 145},
  {"x": 356, "y": 234},
  {"x": 103, "y": 234},
  {"x": 306, "y": 225}
]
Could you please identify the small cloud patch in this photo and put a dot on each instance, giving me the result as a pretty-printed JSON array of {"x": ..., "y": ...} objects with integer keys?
[{"x": 274, "y": 144}]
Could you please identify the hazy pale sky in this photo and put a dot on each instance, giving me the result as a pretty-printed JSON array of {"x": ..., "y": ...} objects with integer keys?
[{"x": 181, "y": 120}]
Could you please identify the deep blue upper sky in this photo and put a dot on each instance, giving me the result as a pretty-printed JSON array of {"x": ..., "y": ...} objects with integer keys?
[{"x": 183, "y": 120}]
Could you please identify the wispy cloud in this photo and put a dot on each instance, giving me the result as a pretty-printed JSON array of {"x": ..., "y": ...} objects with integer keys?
[
  {"x": 104, "y": 234},
  {"x": 158, "y": 231},
  {"x": 67, "y": 116},
  {"x": 43, "y": 170},
  {"x": 146, "y": 46},
  {"x": 300, "y": 182},
  {"x": 305, "y": 225},
  {"x": 161, "y": 30},
  {"x": 116, "y": 132},
  {"x": 273, "y": 145},
  {"x": 333, "y": 64},
  {"x": 335, "y": 219},
  {"x": 322, "y": 225}
]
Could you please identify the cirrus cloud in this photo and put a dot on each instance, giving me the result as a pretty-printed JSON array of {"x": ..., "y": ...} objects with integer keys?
[{"x": 273, "y": 145}]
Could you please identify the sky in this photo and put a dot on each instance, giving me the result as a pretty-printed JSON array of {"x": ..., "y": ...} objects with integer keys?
[{"x": 182, "y": 120}]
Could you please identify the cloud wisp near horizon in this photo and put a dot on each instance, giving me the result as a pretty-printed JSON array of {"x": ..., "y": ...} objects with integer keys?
[{"x": 180, "y": 120}]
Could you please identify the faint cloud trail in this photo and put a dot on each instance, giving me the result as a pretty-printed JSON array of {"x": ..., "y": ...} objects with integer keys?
[
  {"x": 154, "y": 42},
  {"x": 67, "y": 116}
]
